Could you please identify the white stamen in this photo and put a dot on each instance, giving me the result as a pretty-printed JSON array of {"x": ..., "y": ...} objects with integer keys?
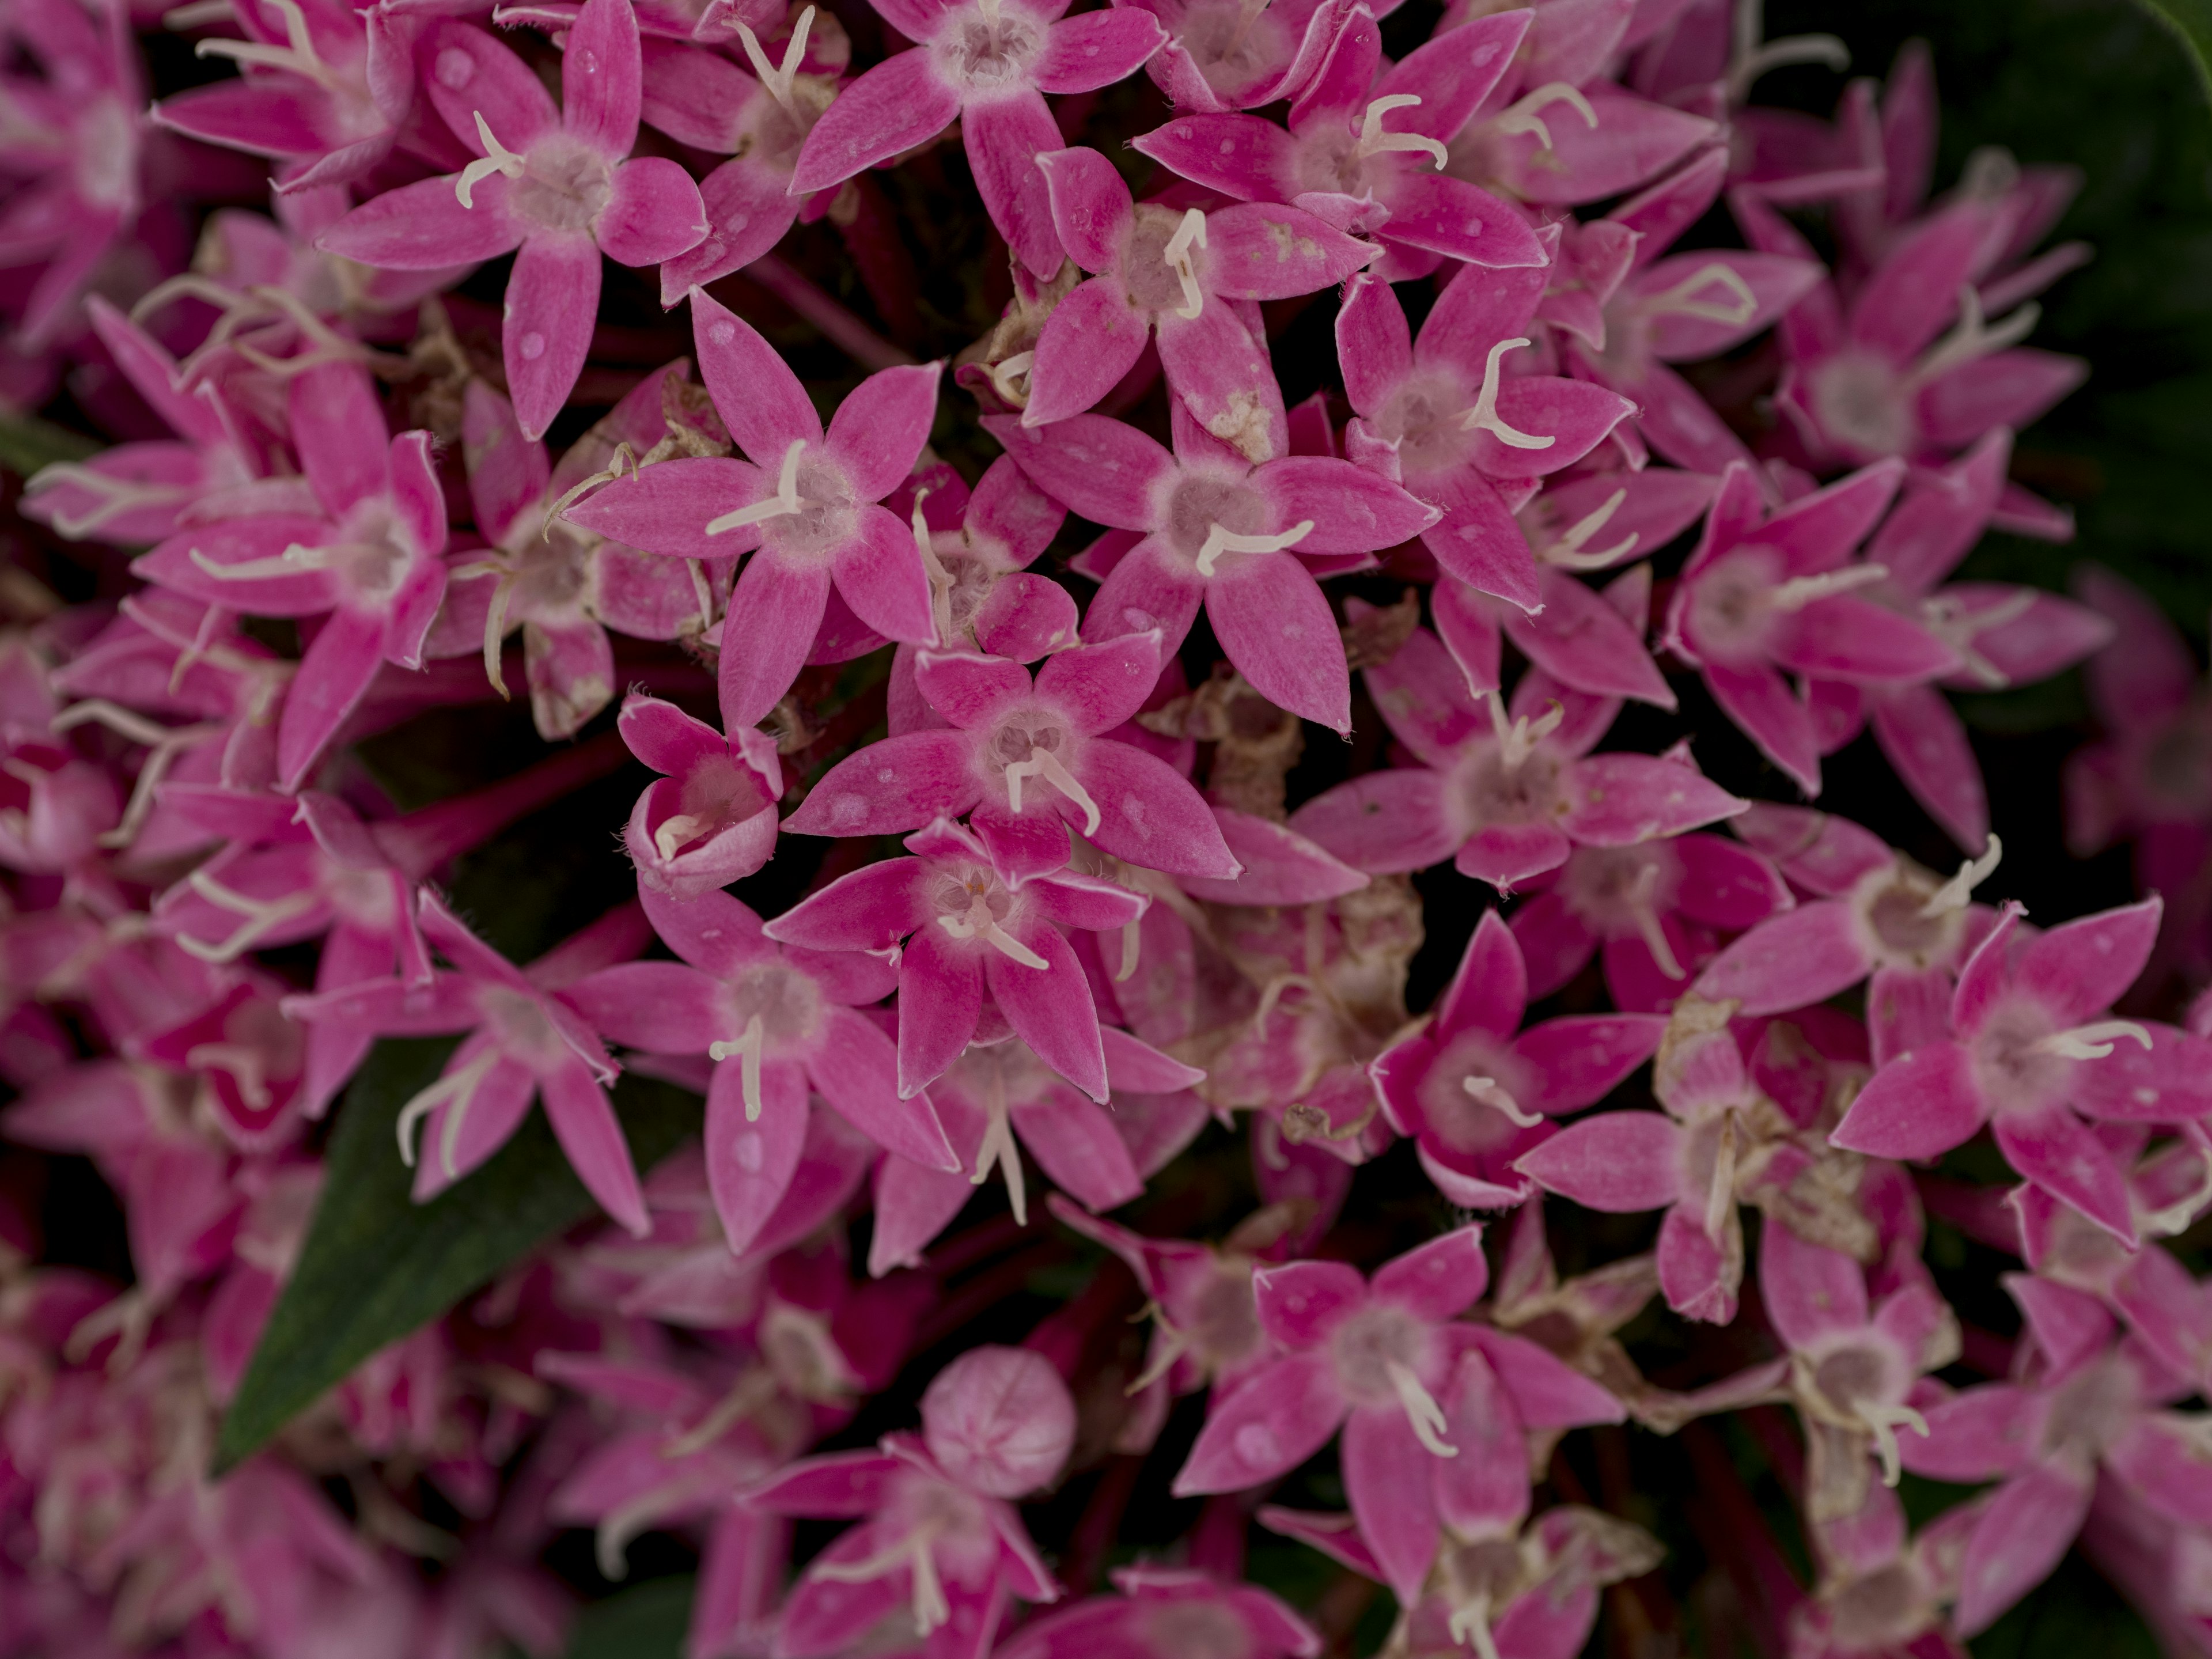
[
  {"x": 990, "y": 9},
  {"x": 244, "y": 1065},
  {"x": 610, "y": 1542},
  {"x": 1568, "y": 552},
  {"x": 754, "y": 1389},
  {"x": 197, "y": 16},
  {"x": 2094, "y": 1040},
  {"x": 1042, "y": 762},
  {"x": 263, "y": 917},
  {"x": 298, "y": 56},
  {"x": 165, "y": 743},
  {"x": 941, "y": 579},
  {"x": 1954, "y": 894},
  {"x": 458, "y": 1089},
  {"x": 931, "y": 1609},
  {"x": 1681, "y": 300},
  {"x": 294, "y": 561},
  {"x": 991, "y": 934},
  {"x": 778, "y": 78},
  {"x": 1374, "y": 141},
  {"x": 1521, "y": 116},
  {"x": 111, "y": 496},
  {"x": 1131, "y": 938},
  {"x": 1950, "y": 620},
  {"x": 1882, "y": 1422},
  {"x": 1494, "y": 1094},
  {"x": 1470, "y": 1626},
  {"x": 1421, "y": 1409},
  {"x": 504, "y": 580},
  {"x": 1801, "y": 590},
  {"x": 1190, "y": 234},
  {"x": 1649, "y": 927},
  {"x": 1169, "y": 1346},
  {"x": 679, "y": 831},
  {"x": 610, "y": 474},
  {"x": 496, "y": 158},
  {"x": 1720, "y": 1196},
  {"x": 747, "y": 1048},
  {"x": 1484, "y": 415},
  {"x": 1974, "y": 338},
  {"x": 1517, "y": 739},
  {"x": 787, "y": 499},
  {"x": 1220, "y": 541},
  {"x": 998, "y": 1149},
  {"x": 1006, "y": 371}
]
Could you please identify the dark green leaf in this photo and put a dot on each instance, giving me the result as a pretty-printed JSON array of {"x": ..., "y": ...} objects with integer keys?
[
  {"x": 2191, "y": 22},
  {"x": 27, "y": 443},
  {"x": 377, "y": 1265},
  {"x": 645, "y": 1621}
]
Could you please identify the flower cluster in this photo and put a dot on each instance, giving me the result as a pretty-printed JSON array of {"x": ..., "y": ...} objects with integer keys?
[{"x": 991, "y": 691}]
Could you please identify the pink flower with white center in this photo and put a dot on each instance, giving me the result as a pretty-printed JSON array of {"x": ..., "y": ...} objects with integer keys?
[
  {"x": 966, "y": 929},
  {"x": 761, "y": 120},
  {"x": 1681, "y": 309},
  {"x": 709, "y": 818},
  {"x": 987, "y": 64},
  {"x": 1174, "y": 274},
  {"x": 1220, "y": 532},
  {"x": 2046, "y": 1440},
  {"x": 1167, "y": 1613},
  {"x": 2003, "y": 635},
  {"x": 775, "y": 1021},
  {"x": 370, "y": 566},
  {"x": 998, "y": 1097},
  {"x": 324, "y": 90},
  {"x": 1765, "y": 595},
  {"x": 1651, "y": 913},
  {"x": 525, "y": 1041},
  {"x": 1238, "y": 54},
  {"x": 2031, "y": 1045},
  {"x": 1442, "y": 417},
  {"x": 1341, "y": 163},
  {"x": 560, "y": 185},
  {"x": 1027, "y": 760},
  {"x": 1853, "y": 1363},
  {"x": 2147, "y": 1289},
  {"x": 1389, "y": 1361},
  {"x": 1476, "y": 1091},
  {"x": 977, "y": 546},
  {"x": 805, "y": 506},
  {"x": 1881, "y": 1589},
  {"x": 1504, "y": 790},
  {"x": 939, "y": 1546}
]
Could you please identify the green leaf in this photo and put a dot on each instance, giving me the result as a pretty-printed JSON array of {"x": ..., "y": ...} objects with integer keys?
[
  {"x": 27, "y": 443},
  {"x": 646, "y": 1621},
  {"x": 377, "y": 1265},
  {"x": 2192, "y": 20}
]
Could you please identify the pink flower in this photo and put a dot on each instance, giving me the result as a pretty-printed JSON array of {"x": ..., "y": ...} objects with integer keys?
[
  {"x": 1167, "y": 1613},
  {"x": 775, "y": 1021},
  {"x": 986, "y": 64},
  {"x": 967, "y": 929},
  {"x": 1388, "y": 1361},
  {"x": 1341, "y": 163},
  {"x": 1476, "y": 1095},
  {"x": 1176, "y": 274},
  {"x": 1505, "y": 790},
  {"x": 805, "y": 506},
  {"x": 2030, "y": 1046},
  {"x": 369, "y": 563},
  {"x": 558, "y": 184},
  {"x": 710, "y": 817},
  {"x": 525, "y": 1041},
  {"x": 1762, "y": 595},
  {"x": 938, "y": 1543},
  {"x": 1238, "y": 54},
  {"x": 1027, "y": 760},
  {"x": 1217, "y": 530}
]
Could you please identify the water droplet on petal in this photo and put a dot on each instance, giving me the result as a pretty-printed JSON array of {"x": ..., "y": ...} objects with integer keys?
[
  {"x": 455, "y": 69},
  {"x": 532, "y": 346},
  {"x": 1255, "y": 1443},
  {"x": 587, "y": 62},
  {"x": 722, "y": 333},
  {"x": 749, "y": 1152}
]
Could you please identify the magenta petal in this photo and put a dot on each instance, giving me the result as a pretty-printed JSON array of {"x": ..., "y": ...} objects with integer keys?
[
  {"x": 1927, "y": 744},
  {"x": 1489, "y": 991},
  {"x": 1756, "y": 698},
  {"x": 1103, "y": 686},
  {"x": 855, "y": 1067},
  {"x": 1507, "y": 854},
  {"x": 1382, "y": 822},
  {"x": 1791, "y": 961},
  {"x": 333, "y": 674},
  {"x": 1620, "y": 1162},
  {"x": 552, "y": 301},
  {"x": 1452, "y": 217},
  {"x": 774, "y": 610},
  {"x": 655, "y": 214},
  {"x": 2020, "y": 1537},
  {"x": 462, "y": 69},
  {"x": 756, "y": 393},
  {"x": 902, "y": 102},
  {"x": 1004, "y": 135},
  {"x": 662, "y": 1007},
  {"x": 940, "y": 999},
  {"x": 668, "y": 509},
  {"x": 1050, "y": 1007},
  {"x": 1300, "y": 1302},
  {"x": 335, "y": 420},
  {"x": 601, "y": 78},
  {"x": 1438, "y": 1281},
  {"x": 1091, "y": 210},
  {"x": 1284, "y": 1412},
  {"x": 584, "y": 1122},
  {"x": 1093, "y": 338},
  {"x": 1386, "y": 1476},
  {"x": 748, "y": 212},
  {"x": 887, "y": 787},
  {"x": 1103, "y": 469},
  {"x": 424, "y": 227},
  {"x": 750, "y": 1163},
  {"x": 878, "y": 431},
  {"x": 1484, "y": 1489},
  {"x": 2080, "y": 969},
  {"x": 1353, "y": 510},
  {"x": 871, "y": 909},
  {"x": 1920, "y": 1106},
  {"x": 1582, "y": 1058},
  {"x": 1077, "y": 1144},
  {"x": 1270, "y": 616},
  {"x": 1809, "y": 1290},
  {"x": 1149, "y": 589},
  {"x": 1082, "y": 54},
  {"x": 1620, "y": 800},
  {"x": 1699, "y": 1276},
  {"x": 880, "y": 574},
  {"x": 2063, "y": 1155},
  {"x": 1148, "y": 814}
]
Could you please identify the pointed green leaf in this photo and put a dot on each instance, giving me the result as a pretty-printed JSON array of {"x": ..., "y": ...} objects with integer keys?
[
  {"x": 645, "y": 1621},
  {"x": 377, "y": 1265},
  {"x": 27, "y": 443}
]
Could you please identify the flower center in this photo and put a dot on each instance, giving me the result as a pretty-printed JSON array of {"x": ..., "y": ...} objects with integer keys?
[
  {"x": 1470, "y": 1097},
  {"x": 1863, "y": 403},
  {"x": 1379, "y": 1354},
  {"x": 1622, "y": 892},
  {"x": 812, "y": 512},
  {"x": 717, "y": 794},
  {"x": 1233, "y": 45},
  {"x": 974, "y": 904},
  {"x": 1031, "y": 750},
  {"x": 1162, "y": 266},
  {"x": 987, "y": 49}
]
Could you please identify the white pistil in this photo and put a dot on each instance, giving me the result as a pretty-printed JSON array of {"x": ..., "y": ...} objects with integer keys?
[
  {"x": 455, "y": 1092},
  {"x": 1470, "y": 1626},
  {"x": 1485, "y": 417},
  {"x": 1569, "y": 551},
  {"x": 1220, "y": 541},
  {"x": 778, "y": 78},
  {"x": 1132, "y": 941},
  {"x": 1373, "y": 140},
  {"x": 297, "y": 56},
  {"x": 1190, "y": 234},
  {"x": 1973, "y": 337},
  {"x": 1882, "y": 1422},
  {"x": 294, "y": 561},
  {"x": 931, "y": 1609},
  {"x": 1517, "y": 738},
  {"x": 504, "y": 579},
  {"x": 1167, "y": 1346},
  {"x": 2179, "y": 1216},
  {"x": 988, "y": 930},
  {"x": 990, "y": 9},
  {"x": 2094, "y": 1040},
  {"x": 1044, "y": 763},
  {"x": 111, "y": 496},
  {"x": 1682, "y": 300},
  {"x": 263, "y": 917},
  {"x": 611, "y": 474},
  {"x": 941, "y": 579},
  {"x": 1720, "y": 1195},
  {"x": 785, "y": 501},
  {"x": 1006, "y": 371},
  {"x": 1521, "y": 116},
  {"x": 1947, "y": 618},
  {"x": 1801, "y": 590},
  {"x": 1954, "y": 894},
  {"x": 1494, "y": 1094},
  {"x": 244, "y": 1065},
  {"x": 747, "y": 1048},
  {"x": 496, "y": 158},
  {"x": 998, "y": 1149},
  {"x": 754, "y": 1389},
  {"x": 1752, "y": 59},
  {"x": 163, "y": 743},
  {"x": 1421, "y": 1409},
  {"x": 1649, "y": 927},
  {"x": 679, "y": 831}
]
